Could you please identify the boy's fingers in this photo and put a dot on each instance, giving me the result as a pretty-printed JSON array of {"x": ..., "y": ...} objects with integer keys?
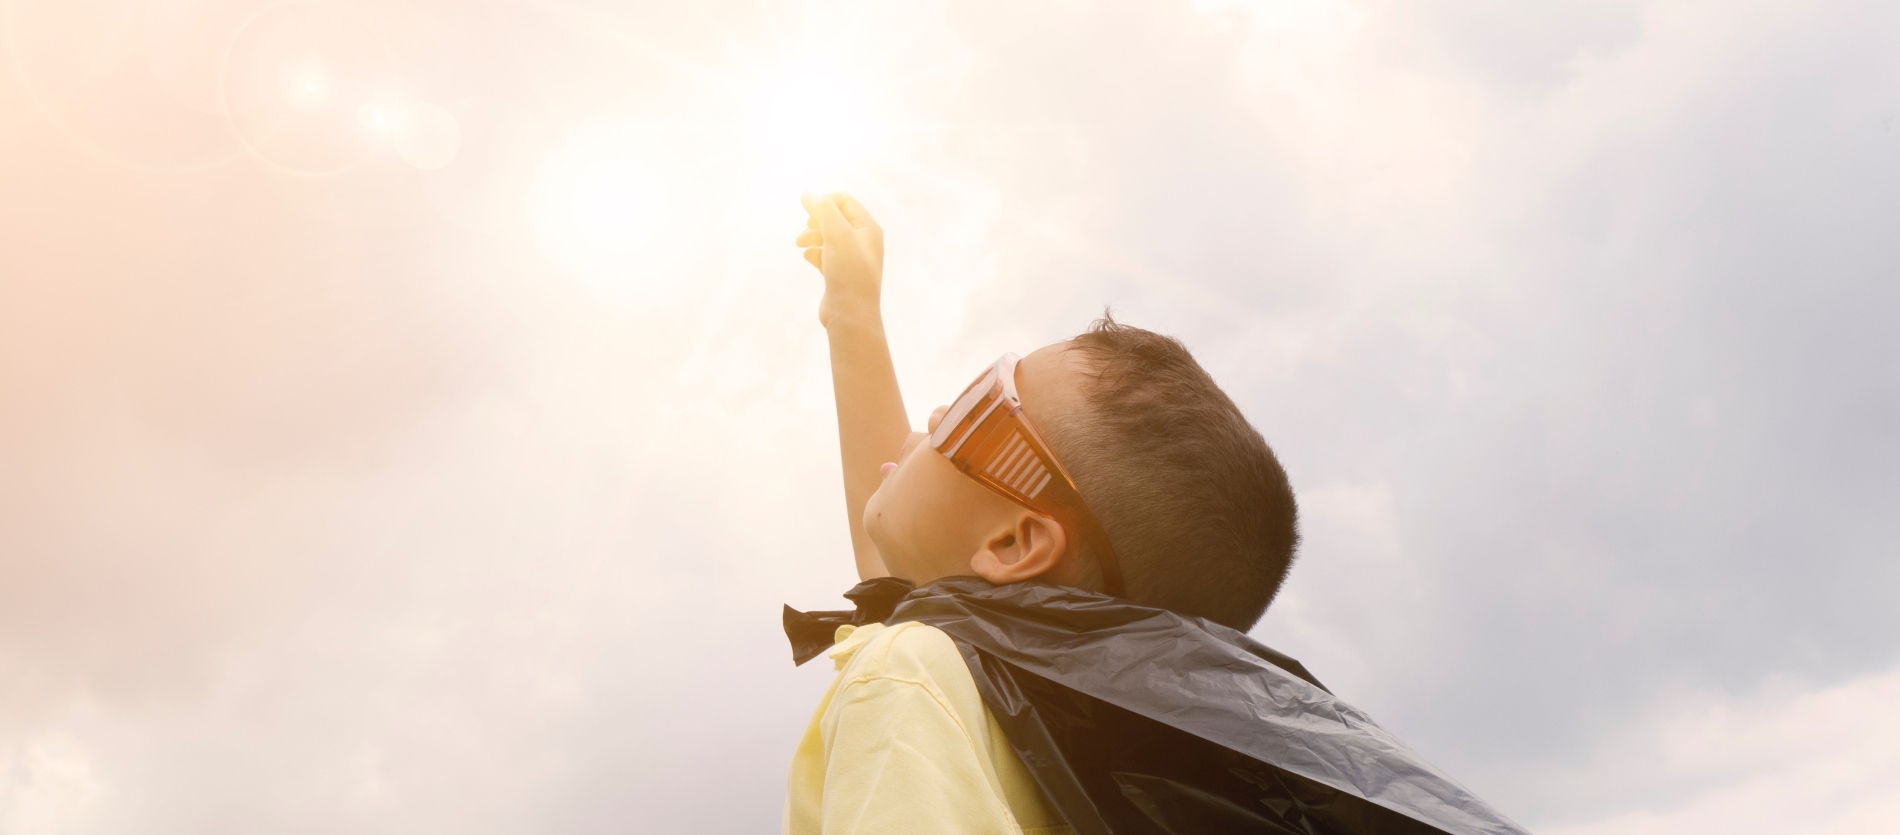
[
  {"x": 830, "y": 222},
  {"x": 853, "y": 210},
  {"x": 810, "y": 200},
  {"x": 811, "y": 237},
  {"x": 816, "y": 256}
]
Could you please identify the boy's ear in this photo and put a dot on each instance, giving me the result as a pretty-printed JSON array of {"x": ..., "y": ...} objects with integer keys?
[{"x": 1028, "y": 549}]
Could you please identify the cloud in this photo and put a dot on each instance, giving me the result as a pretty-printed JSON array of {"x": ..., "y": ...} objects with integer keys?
[{"x": 1815, "y": 760}]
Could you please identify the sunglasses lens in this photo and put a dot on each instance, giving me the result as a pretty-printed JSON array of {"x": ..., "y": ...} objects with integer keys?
[{"x": 960, "y": 411}]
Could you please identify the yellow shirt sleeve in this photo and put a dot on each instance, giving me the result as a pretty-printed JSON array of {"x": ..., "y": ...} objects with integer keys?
[{"x": 903, "y": 744}]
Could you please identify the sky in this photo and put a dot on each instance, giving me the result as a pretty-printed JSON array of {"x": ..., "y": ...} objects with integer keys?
[{"x": 413, "y": 414}]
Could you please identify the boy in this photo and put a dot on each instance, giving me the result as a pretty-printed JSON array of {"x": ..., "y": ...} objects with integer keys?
[{"x": 1088, "y": 531}]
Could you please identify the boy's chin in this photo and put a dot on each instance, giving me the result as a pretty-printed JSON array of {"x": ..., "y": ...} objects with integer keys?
[
  {"x": 919, "y": 572},
  {"x": 904, "y": 570}
]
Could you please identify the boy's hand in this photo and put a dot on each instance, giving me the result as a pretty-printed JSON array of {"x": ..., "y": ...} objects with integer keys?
[{"x": 847, "y": 246}]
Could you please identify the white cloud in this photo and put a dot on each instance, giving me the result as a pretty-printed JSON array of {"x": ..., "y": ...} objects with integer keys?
[
  {"x": 48, "y": 789},
  {"x": 1823, "y": 761}
]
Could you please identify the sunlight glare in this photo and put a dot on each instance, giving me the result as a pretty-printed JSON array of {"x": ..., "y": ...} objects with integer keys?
[
  {"x": 811, "y": 126},
  {"x": 633, "y": 202}
]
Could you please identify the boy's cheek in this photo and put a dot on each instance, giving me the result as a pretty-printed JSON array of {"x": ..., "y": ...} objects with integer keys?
[
  {"x": 886, "y": 505},
  {"x": 880, "y": 498},
  {"x": 903, "y": 499},
  {"x": 895, "y": 499}
]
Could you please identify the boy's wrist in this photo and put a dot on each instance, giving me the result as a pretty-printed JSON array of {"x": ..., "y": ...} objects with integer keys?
[{"x": 862, "y": 315}]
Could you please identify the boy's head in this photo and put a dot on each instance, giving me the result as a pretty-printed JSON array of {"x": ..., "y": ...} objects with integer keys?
[{"x": 1194, "y": 503}]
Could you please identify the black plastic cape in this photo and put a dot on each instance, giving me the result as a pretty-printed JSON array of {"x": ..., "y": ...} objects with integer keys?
[{"x": 1137, "y": 720}]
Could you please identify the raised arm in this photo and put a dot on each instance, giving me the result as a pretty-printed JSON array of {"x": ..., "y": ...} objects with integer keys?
[{"x": 845, "y": 244}]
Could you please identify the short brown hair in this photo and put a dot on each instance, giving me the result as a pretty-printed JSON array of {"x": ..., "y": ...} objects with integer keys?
[{"x": 1198, "y": 508}]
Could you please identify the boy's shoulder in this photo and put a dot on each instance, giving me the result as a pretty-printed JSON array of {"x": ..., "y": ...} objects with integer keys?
[
  {"x": 906, "y": 673},
  {"x": 905, "y": 734},
  {"x": 909, "y": 651}
]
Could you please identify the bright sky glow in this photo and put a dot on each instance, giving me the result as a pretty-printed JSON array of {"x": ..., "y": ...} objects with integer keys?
[{"x": 602, "y": 209}]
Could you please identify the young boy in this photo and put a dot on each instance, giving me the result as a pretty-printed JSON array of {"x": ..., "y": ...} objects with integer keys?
[{"x": 1088, "y": 530}]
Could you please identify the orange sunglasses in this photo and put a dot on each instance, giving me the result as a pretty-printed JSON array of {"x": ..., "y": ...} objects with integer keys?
[{"x": 987, "y": 435}]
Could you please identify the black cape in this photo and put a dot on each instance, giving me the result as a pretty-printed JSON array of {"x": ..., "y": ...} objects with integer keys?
[{"x": 1136, "y": 720}]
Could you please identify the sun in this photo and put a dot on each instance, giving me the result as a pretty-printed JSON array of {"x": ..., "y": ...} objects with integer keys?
[
  {"x": 638, "y": 195},
  {"x": 811, "y": 125}
]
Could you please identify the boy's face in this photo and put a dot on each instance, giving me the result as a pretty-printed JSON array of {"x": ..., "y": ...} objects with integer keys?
[{"x": 928, "y": 519}]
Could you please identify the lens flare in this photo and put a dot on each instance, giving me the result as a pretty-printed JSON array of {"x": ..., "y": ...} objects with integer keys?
[
  {"x": 375, "y": 117},
  {"x": 308, "y": 87},
  {"x": 294, "y": 81},
  {"x": 427, "y": 136}
]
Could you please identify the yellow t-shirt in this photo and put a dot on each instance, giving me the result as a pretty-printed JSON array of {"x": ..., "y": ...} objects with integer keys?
[{"x": 902, "y": 743}]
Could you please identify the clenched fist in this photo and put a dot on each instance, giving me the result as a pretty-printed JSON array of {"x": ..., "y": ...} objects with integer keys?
[{"x": 847, "y": 246}]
